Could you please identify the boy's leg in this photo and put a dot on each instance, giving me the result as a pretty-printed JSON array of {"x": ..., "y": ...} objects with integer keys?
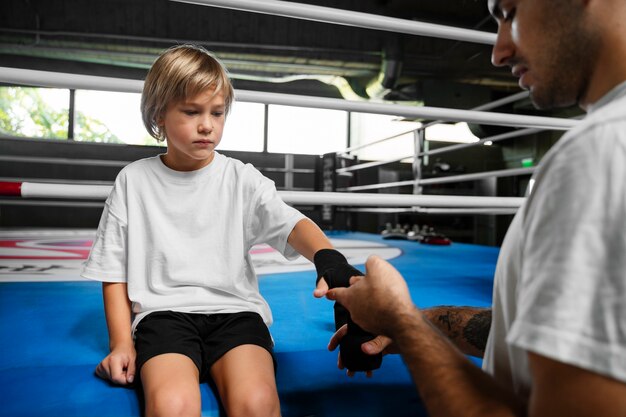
[
  {"x": 245, "y": 379},
  {"x": 171, "y": 386}
]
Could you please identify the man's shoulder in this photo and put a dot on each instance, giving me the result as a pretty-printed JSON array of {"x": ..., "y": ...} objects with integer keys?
[{"x": 611, "y": 113}]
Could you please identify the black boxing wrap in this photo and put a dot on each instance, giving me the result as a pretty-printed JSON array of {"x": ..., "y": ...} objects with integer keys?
[{"x": 336, "y": 271}]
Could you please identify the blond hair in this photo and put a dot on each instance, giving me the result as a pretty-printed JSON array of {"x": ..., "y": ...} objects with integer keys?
[{"x": 178, "y": 73}]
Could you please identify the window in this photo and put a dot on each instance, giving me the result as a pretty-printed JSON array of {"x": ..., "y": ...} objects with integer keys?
[
  {"x": 115, "y": 117},
  {"x": 110, "y": 117},
  {"x": 367, "y": 128},
  {"x": 302, "y": 130},
  {"x": 245, "y": 128},
  {"x": 445, "y": 132},
  {"x": 34, "y": 112}
]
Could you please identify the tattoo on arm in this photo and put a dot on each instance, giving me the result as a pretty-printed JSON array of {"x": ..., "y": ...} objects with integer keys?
[
  {"x": 468, "y": 328},
  {"x": 476, "y": 331}
]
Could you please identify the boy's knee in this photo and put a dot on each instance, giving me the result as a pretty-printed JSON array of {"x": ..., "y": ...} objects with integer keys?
[
  {"x": 173, "y": 404},
  {"x": 260, "y": 401}
]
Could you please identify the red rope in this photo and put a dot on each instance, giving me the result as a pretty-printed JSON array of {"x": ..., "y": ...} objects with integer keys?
[{"x": 11, "y": 189}]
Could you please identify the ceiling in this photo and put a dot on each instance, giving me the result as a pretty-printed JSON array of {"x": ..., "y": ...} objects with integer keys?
[{"x": 120, "y": 38}]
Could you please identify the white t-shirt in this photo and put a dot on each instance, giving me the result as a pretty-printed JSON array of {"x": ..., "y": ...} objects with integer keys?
[
  {"x": 180, "y": 240},
  {"x": 560, "y": 285}
]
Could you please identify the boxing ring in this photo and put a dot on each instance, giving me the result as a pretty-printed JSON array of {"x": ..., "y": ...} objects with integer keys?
[{"x": 53, "y": 331}]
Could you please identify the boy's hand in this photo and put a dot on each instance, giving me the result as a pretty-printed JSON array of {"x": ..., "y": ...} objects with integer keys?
[
  {"x": 333, "y": 267},
  {"x": 118, "y": 366},
  {"x": 321, "y": 289},
  {"x": 380, "y": 344}
]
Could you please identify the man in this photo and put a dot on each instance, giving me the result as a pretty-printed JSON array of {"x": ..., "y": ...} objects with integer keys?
[{"x": 557, "y": 343}]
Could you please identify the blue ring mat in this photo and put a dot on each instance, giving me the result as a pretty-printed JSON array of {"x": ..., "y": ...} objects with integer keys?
[{"x": 53, "y": 334}]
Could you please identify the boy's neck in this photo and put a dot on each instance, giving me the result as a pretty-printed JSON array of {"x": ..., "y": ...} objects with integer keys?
[{"x": 185, "y": 166}]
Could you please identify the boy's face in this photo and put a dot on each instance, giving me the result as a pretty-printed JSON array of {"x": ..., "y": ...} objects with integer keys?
[{"x": 193, "y": 128}]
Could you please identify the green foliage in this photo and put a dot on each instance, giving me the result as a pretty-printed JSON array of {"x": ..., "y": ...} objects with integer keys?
[
  {"x": 88, "y": 129},
  {"x": 24, "y": 113}
]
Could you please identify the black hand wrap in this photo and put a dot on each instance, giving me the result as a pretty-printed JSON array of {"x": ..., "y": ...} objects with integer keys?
[{"x": 335, "y": 269}]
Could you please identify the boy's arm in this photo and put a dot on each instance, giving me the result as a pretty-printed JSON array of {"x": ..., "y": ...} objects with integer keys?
[
  {"x": 119, "y": 366},
  {"x": 307, "y": 239}
]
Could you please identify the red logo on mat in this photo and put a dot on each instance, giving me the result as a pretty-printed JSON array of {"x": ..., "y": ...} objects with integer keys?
[{"x": 45, "y": 249}]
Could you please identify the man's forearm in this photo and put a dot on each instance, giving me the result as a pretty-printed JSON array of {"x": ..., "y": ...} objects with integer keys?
[
  {"x": 467, "y": 327},
  {"x": 448, "y": 383}
]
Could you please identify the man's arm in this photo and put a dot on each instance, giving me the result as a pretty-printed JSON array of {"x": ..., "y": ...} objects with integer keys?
[
  {"x": 565, "y": 390},
  {"x": 119, "y": 366},
  {"x": 466, "y": 327},
  {"x": 448, "y": 383}
]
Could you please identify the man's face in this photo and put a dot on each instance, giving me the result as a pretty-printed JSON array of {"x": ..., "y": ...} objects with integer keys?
[{"x": 547, "y": 46}]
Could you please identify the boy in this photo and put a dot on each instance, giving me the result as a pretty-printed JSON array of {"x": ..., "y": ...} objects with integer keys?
[{"x": 172, "y": 252}]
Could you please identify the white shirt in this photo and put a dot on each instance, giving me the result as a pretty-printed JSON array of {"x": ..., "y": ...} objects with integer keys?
[
  {"x": 560, "y": 284},
  {"x": 180, "y": 240}
]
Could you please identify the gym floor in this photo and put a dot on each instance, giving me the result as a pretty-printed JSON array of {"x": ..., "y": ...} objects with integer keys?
[{"x": 53, "y": 332}]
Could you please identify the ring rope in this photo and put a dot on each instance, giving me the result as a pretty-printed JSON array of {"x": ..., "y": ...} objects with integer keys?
[
  {"x": 487, "y": 106},
  {"x": 420, "y": 210},
  {"x": 101, "y": 192},
  {"x": 444, "y": 180},
  {"x": 351, "y": 18},
  {"x": 496, "y": 138},
  {"x": 91, "y": 82}
]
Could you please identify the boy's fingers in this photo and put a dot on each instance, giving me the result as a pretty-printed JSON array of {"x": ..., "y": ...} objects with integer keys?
[
  {"x": 130, "y": 372},
  {"x": 100, "y": 371},
  {"x": 336, "y": 338},
  {"x": 117, "y": 372},
  {"x": 339, "y": 362},
  {"x": 320, "y": 289},
  {"x": 318, "y": 293}
]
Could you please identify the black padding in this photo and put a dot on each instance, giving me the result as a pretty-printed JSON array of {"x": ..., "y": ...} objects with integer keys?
[{"x": 336, "y": 271}]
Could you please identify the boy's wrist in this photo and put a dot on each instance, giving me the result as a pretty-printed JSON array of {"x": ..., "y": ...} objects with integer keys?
[
  {"x": 333, "y": 266},
  {"x": 124, "y": 343}
]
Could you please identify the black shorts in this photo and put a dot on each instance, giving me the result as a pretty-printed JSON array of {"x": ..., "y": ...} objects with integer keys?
[{"x": 204, "y": 338}]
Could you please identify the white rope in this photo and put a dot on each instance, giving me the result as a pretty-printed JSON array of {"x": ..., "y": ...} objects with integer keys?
[
  {"x": 67, "y": 191},
  {"x": 487, "y": 106},
  {"x": 419, "y": 210},
  {"x": 444, "y": 180},
  {"x": 496, "y": 138},
  {"x": 101, "y": 192},
  {"x": 504, "y": 100},
  {"x": 478, "y": 175},
  {"x": 91, "y": 82},
  {"x": 350, "y": 18},
  {"x": 63, "y": 161},
  {"x": 398, "y": 200}
]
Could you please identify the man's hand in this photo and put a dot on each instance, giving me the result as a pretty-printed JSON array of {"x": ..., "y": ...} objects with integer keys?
[
  {"x": 118, "y": 366},
  {"x": 378, "y": 300}
]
